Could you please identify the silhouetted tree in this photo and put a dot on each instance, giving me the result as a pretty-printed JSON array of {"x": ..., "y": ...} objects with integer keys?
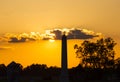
[
  {"x": 117, "y": 66},
  {"x": 117, "y": 63},
  {"x": 3, "y": 70},
  {"x": 99, "y": 54},
  {"x": 13, "y": 71},
  {"x": 54, "y": 71},
  {"x": 35, "y": 69}
]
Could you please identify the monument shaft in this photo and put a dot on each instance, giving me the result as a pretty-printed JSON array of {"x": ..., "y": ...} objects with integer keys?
[{"x": 64, "y": 70}]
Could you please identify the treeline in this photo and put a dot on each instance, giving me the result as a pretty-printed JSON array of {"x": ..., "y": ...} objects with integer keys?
[
  {"x": 76, "y": 74},
  {"x": 33, "y": 70},
  {"x": 88, "y": 73}
]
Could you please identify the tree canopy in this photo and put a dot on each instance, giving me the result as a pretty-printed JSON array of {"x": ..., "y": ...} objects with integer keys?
[{"x": 99, "y": 54}]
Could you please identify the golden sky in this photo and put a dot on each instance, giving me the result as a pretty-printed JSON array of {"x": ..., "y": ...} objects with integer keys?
[
  {"x": 40, "y": 52},
  {"x": 37, "y": 15},
  {"x": 44, "y": 48}
]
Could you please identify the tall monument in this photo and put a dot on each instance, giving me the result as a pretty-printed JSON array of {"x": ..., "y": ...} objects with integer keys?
[{"x": 64, "y": 71}]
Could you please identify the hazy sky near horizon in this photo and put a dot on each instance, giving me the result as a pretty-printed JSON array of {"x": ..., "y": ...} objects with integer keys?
[{"x": 38, "y": 15}]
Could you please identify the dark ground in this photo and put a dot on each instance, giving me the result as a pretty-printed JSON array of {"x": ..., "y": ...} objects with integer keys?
[{"x": 37, "y": 79}]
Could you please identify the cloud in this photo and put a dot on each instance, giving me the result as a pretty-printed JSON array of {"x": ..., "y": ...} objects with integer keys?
[
  {"x": 80, "y": 34},
  {"x": 14, "y": 40},
  {"x": 73, "y": 33},
  {"x": 57, "y": 33},
  {"x": 22, "y": 37},
  {"x": 5, "y": 48}
]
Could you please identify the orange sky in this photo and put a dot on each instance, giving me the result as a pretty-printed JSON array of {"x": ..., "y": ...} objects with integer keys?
[
  {"x": 40, "y": 52},
  {"x": 20, "y": 16},
  {"x": 37, "y": 15}
]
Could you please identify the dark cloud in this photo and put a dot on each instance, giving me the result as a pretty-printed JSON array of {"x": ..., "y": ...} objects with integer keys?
[
  {"x": 16, "y": 40},
  {"x": 45, "y": 38},
  {"x": 31, "y": 39},
  {"x": 22, "y": 39},
  {"x": 74, "y": 34},
  {"x": 57, "y": 33},
  {"x": 79, "y": 34}
]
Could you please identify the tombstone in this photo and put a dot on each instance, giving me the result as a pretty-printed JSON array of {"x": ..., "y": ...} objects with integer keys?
[
  {"x": 13, "y": 70},
  {"x": 64, "y": 71}
]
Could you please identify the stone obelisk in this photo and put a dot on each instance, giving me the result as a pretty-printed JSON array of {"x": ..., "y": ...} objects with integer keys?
[{"x": 64, "y": 71}]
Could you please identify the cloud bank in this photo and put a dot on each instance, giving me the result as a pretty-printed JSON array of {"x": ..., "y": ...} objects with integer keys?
[{"x": 73, "y": 33}]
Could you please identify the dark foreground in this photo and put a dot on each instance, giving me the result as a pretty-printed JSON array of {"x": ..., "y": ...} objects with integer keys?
[{"x": 36, "y": 79}]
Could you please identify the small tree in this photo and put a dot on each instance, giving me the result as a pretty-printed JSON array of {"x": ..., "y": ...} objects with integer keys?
[{"x": 99, "y": 54}]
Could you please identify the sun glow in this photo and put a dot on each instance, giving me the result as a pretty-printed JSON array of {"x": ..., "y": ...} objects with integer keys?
[
  {"x": 51, "y": 40},
  {"x": 66, "y": 31}
]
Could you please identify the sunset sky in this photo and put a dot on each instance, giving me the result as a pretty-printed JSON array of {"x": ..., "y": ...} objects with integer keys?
[{"x": 35, "y": 18}]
